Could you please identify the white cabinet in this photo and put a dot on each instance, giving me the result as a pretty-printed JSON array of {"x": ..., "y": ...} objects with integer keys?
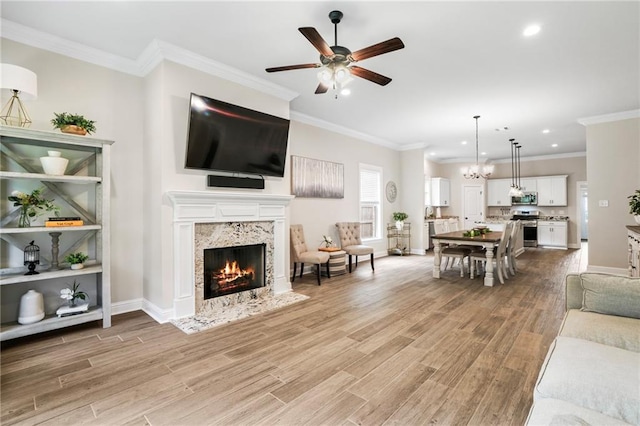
[
  {"x": 440, "y": 192},
  {"x": 552, "y": 190},
  {"x": 552, "y": 234},
  {"x": 529, "y": 184},
  {"x": 84, "y": 191},
  {"x": 498, "y": 192}
]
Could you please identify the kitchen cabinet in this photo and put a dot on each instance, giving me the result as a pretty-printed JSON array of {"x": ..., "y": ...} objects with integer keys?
[
  {"x": 552, "y": 234},
  {"x": 552, "y": 190},
  {"x": 440, "y": 192},
  {"x": 83, "y": 191},
  {"x": 529, "y": 184},
  {"x": 498, "y": 192}
]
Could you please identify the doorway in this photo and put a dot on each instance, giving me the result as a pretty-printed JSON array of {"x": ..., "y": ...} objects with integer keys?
[
  {"x": 472, "y": 205},
  {"x": 583, "y": 211}
]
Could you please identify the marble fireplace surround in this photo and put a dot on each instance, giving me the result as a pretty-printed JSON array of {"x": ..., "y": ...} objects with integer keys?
[{"x": 191, "y": 208}]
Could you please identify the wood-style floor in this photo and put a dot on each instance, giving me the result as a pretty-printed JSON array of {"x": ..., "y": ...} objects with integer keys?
[{"x": 391, "y": 347}]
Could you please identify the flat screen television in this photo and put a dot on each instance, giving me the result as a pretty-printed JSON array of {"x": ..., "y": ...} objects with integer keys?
[{"x": 230, "y": 138}]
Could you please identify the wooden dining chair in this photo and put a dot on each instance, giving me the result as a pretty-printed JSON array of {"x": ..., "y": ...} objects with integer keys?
[
  {"x": 511, "y": 248},
  {"x": 499, "y": 256},
  {"x": 450, "y": 252}
]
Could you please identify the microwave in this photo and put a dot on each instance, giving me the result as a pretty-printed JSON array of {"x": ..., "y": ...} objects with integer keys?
[{"x": 527, "y": 199}]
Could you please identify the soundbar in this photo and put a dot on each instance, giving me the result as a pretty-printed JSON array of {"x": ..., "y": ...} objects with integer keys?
[{"x": 235, "y": 182}]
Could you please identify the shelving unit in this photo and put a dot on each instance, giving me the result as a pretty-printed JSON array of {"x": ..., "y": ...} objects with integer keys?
[
  {"x": 83, "y": 191},
  {"x": 398, "y": 241}
]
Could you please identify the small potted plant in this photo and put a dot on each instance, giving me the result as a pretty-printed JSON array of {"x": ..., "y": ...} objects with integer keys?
[
  {"x": 399, "y": 218},
  {"x": 76, "y": 260},
  {"x": 634, "y": 205},
  {"x": 328, "y": 241},
  {"x": 31, "y": 206},
  {"x": 74, "y": 294},
  {"x": 73, "y": 123}
]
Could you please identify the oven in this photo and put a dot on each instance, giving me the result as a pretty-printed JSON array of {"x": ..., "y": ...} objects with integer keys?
[{"x": 529, "y": 222}]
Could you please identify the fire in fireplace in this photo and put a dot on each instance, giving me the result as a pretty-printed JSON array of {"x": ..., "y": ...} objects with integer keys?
[{"x": 229, "y": 270}]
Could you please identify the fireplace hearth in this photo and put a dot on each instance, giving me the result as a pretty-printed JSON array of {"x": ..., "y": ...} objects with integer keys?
[{"x": 229, "y": 270}]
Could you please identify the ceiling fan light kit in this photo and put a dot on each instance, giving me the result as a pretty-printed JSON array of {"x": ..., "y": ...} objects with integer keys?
[
  {"x": 336, "y": 61},
  {"x": 473, "y": 171}
]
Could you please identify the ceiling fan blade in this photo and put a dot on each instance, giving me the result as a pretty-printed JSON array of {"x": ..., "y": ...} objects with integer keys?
[
  {"x": 322, "y": 88},
  {"x": 316, "y": 39},
  {"x": 292, "y": 67},
  {"x": 370, "y": 75},
  {"x": 378, "y": 49}
]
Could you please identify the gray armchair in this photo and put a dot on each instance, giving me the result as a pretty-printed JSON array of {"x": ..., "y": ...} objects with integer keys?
[
  {"x": 351, "y": 242},
  {"x": 300, "y": 254}
]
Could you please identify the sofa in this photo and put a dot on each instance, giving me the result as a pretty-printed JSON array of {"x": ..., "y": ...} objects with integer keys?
[{"x": 591, "y": 374}]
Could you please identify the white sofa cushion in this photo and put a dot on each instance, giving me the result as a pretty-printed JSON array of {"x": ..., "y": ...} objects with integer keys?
[
  {"x": 621, "y": 332},
  {"x": 555, "y": 412},
  {"x": 594, "y": 376},
  {"x": 611, "y": 294}
]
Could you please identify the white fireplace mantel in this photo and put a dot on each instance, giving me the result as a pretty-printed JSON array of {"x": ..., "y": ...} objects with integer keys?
[{"x": 191, "y": 207}]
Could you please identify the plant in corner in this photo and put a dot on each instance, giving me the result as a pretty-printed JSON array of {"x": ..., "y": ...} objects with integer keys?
[
  {"x": 634, "y": 205},
  {"x": 73, "y": 123},
  {"x": 399, "y": 218},
  {"x": 76, "y": 260}
]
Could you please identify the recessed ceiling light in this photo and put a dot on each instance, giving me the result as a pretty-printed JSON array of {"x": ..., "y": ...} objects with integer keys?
[
  {"x": 555, "y": 145},
  {"x": 531, "y": 30},
  {"x": 432, "y": 153},
  {"x": 545, "y": 131},
  {"x": 345, "y": 92},
  {"x": 463, "y": 142},
  {"x": 483, "y": 153}
]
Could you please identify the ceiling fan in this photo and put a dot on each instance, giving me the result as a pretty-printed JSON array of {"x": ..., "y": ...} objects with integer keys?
[{"x": 337, "y": 61}]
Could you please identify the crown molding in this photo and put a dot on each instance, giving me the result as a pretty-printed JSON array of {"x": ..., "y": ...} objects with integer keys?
[
  {"x": 151, "y": 56},
  {"x": 522, "y": 159},
  {"x": 45, "y": 41},
  {"x": 607, "y": 118},
  {"x": 307, "y": 119}
]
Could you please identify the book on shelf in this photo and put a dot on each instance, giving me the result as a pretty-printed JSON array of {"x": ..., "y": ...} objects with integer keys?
[
  {"x": 58, "y": 223},
  {"x": 64, "y": 218}
]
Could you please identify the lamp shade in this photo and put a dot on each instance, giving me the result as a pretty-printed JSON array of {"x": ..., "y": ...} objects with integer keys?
[{"x": 13, "y": 77}]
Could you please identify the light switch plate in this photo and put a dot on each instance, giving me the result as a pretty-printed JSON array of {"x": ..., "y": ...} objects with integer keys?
[{"x": 603, "y": 203}]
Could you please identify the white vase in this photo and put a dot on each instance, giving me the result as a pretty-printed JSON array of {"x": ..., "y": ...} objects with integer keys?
[
  {"x": 399, "y": 225},
  {"x": 77, "y": 265},
  {"x": 637, "y": 218},
  {"x": 54, "y": 164},
  {"x": 31, "y": 307}
]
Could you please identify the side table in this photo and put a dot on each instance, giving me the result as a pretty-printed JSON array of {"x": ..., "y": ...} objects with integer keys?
[{"x": 336, "y": 261}]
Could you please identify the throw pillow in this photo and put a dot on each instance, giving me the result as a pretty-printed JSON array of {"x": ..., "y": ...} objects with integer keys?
[{"x": 611, "y": 294}]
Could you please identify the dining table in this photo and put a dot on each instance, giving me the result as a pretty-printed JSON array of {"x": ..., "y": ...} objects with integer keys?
[{"x": 488, "y": 240}]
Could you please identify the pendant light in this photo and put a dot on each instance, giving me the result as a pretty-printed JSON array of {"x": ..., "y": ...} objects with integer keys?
[
  {"x": 473, "y": 171},
  {"x": 514, "y": 190},
  {"x": 519, "y": 185}
]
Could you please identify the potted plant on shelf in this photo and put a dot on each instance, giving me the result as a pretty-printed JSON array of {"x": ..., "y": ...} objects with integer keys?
[
  {"x": 399, "y": 218},
  {"x": 76, "y": 260},
  {"x": 73, "y": 296},
  {"x": 31, "y": 205},
  {"x": 634, "y": 205},
  {"x": 73, "y": 123}
]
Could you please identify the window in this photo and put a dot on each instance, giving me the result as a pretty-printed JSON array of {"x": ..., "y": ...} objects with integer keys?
[{"x": 370, "y": 201}]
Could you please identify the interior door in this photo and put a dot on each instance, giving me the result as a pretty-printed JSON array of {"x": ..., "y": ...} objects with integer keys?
[{"x": 473, "y": 205}]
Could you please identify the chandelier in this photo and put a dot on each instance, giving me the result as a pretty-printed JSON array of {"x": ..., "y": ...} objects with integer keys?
[
  {"x": 516, "y": 188},
  {"x": 473, "y": 171}
]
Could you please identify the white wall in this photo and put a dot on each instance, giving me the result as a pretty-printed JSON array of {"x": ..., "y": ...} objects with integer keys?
[
  {"x": 613, "y": 173},
  {"x": 319, "y": 215}
]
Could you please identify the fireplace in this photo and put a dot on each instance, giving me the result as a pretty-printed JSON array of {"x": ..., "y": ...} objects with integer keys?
[{"x": 229, "y": 270}]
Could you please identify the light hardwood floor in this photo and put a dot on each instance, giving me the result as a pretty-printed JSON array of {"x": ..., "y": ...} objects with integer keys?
[{"x": 391, "y": 347}]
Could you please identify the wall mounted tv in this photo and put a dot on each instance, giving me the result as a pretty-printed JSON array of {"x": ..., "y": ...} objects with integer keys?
[{"x": 230, "y": 138}]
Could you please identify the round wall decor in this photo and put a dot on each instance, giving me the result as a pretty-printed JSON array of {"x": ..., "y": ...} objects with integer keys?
[{"x": 392, "y": 191}]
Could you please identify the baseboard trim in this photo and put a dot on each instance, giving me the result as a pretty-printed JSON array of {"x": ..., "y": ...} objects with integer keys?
[
  {"x": 127, "y": 306},
  {"x": 160, "y": 315}
]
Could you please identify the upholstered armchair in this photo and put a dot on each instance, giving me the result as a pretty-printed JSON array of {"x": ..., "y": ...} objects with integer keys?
[
  {"x": 300, "y": 254},
  {"x": 351, "y": 242}
]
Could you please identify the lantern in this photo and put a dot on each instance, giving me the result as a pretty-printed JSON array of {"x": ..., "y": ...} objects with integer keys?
[{"x": 31, "y": 258}]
